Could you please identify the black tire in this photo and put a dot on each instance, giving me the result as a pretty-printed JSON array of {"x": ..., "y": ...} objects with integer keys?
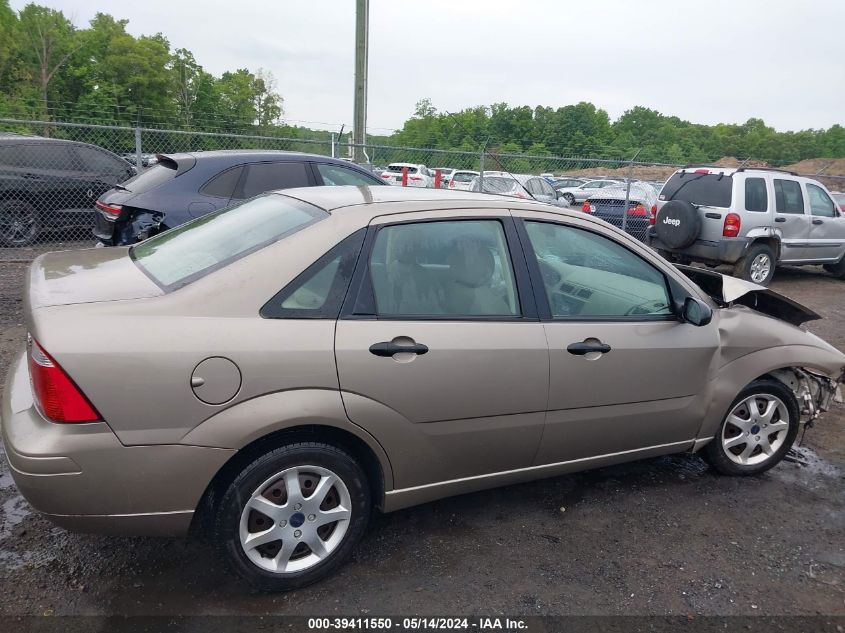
[
  {"x": 229, "y": 513},
  {"x": 18, "y": 223},
  {"x": 745, "y": 267},
  {"x": 570, "y": 199},
  {"x": 716, "y": 453},
  {"x": 837, "y": 269},
  {"x": 678, "y": 224}
]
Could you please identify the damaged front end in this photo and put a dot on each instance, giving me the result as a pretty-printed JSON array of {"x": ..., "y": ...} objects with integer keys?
[
  {"x": 727, "y": 291},
  {"x": 814, "y": 392}
]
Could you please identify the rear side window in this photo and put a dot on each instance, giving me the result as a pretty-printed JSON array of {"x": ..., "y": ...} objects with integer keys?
[
  {"x": 820, "y": 202},
  {"x": 97, "y": 161},
  {"x": 337, "y": 175},
  {"x": 756, "y": 197},
  {"x": 318, "y": 292},
  {"x": 181, "y": 255},
  {"x": 223, "y": 184},
  {"x": 710, "y": 190},
  {"x": 788, "y": 197},
  {"x": 151, "y": 178},
  {"x": 261, "y": 177},
  {"x": 463, "y": 176}
]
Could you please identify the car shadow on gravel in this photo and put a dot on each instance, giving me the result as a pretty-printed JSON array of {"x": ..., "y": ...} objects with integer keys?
[{"x": 523, "y": 549}]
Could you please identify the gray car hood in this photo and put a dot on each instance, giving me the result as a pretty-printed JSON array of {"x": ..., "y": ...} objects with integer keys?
[{"x": 730, "y": 290}]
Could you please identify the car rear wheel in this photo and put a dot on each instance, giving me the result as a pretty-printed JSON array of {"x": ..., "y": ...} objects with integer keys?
[
  {"x": 757, "y": 266},
  {"x": 758, "y": 430},
  {"x": 293, "y": 515},
  {"x": 18, "y": 223}
]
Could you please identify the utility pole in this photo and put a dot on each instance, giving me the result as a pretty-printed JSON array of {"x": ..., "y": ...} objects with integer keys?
[{"x": 362, "y": 29}]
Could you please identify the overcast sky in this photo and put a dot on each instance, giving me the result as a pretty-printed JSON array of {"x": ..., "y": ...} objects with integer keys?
[{"x": 707, "y": 62}]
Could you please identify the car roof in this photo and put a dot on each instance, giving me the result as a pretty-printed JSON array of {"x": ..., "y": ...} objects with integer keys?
[
  {"x": 333, "y": 198},
  {"x": 252, "y": 155},
  {"x": 11, "y": 138}
]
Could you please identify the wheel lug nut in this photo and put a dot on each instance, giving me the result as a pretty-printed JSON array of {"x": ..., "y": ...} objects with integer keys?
[
  {"x": 311, "y": 517},
  {"x": 298, "y": 506},
  {"x": 297, "y": 533},
  {"x": 282, "y": 523},
  {"x": 757, "y": 438}
]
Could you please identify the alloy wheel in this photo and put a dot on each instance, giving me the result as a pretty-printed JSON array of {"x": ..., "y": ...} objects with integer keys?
[
  {"x": 295, "y": 519},
  {"x": 761, "y": 266},
  {"x": 18, "y": 223},
  {"x": 755, "y": 429}
]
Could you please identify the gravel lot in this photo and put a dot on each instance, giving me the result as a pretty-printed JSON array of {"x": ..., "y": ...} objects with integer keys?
[{"x": 662, "y": 536}]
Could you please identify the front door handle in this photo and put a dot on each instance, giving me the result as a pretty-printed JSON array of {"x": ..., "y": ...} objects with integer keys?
[
  {"x": 387, "y": 349},
  {"x": 817, "y": 221},
  {"x": 580, "y": 349},
  {"x": 780, "y": 219}
]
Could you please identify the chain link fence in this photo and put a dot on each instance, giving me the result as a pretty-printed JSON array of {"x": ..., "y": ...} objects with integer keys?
[{"x": 49, "y": 186}]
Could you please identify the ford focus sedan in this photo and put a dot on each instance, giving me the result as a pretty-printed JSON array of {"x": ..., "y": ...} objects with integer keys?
[{"x": 269, "y": 374}]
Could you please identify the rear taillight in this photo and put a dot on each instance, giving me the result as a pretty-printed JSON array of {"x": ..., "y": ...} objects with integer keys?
[
  {"x": 110, "y": 209},
  {"x": 652, "y": 218},
  {"x": 451, "y": 184},
  {"x": 385, "y": 175},
  {"x": 732, "y": 225},
  {"x": 55, "y": 394},
  {"x": 637, "y": 211},
  {"x": 587, "y": 207},
  {"x": 415, "y": 178}
]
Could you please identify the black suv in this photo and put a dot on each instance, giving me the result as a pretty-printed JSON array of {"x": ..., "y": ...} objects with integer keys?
[
  {"x": 181, "y": 187},
  {"x": 52, "y": 183}
]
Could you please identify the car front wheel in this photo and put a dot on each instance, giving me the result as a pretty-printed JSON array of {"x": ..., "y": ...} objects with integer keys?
[
  {"x": 293, "y": 515},
  {"x": 757, "y": 431}
]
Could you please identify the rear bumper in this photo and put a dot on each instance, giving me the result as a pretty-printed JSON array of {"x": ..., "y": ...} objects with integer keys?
[
  {"x": 728, "y": 250},
  {"x": 84, "y": 479}
]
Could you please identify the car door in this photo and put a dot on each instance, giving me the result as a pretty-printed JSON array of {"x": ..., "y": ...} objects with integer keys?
[
  {"x": 544, "y": 191},
  {"x": 625, "y": 373},
  {"x": 587, "y": 189},
  {"x": 468, "y": 398},
  {"x": 791, "y": 220},
  {"x": 101, "y": 171},
  {"x": 826, "y": 240}
]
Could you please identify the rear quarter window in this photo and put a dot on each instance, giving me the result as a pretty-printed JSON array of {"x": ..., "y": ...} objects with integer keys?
[{"x": 711, "y": 190}]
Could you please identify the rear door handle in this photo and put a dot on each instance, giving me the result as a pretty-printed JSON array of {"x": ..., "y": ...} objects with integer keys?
[
  {"x": 780, "y": 219},
  {"x": 817, "y": 221},
  {"x": 387, "y": 349},
  {"x": 580, "y": 349}
]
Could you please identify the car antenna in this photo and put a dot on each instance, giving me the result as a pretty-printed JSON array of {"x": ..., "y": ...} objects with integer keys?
[{"x": 499, "y": 163}]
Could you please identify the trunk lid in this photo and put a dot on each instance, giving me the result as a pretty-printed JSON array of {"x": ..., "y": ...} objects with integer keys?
[{"x": 87, "y": 276}]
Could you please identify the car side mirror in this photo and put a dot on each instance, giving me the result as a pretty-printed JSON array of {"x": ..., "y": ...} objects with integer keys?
[{"x": 696, "y": 312}]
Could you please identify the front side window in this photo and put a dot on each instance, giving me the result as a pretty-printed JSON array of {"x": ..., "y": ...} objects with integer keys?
[
  {"x": 756, "y": 198},
  {"x": 820, "y": 202},
  {"x": 788, "y": 197},
  {"x": 261, "y": 177},
  {"x": 443, "y": 269},
  {"x": 96, "y": 161},
  {"x": 178, "y": 256},
  {"x": 337, "y": 175},
  {"x": 589, "y": 276}
]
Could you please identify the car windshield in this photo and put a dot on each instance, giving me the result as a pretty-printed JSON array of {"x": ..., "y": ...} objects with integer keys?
[
  {"x": 181, "y": 255},
  {"x": 705, "y": 189}
]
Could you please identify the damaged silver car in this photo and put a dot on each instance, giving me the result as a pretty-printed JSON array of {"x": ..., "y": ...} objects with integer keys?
[{"x": 304, "y": 357}]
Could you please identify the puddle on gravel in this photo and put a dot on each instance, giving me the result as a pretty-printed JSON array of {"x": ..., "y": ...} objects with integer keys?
[{"x": 803, "y": 465}]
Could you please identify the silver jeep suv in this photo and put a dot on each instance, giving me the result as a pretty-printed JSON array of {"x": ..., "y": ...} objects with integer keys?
[{"x": 754, "y": 219}]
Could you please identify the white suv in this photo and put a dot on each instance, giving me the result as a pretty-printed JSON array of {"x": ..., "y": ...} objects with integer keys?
[
  {"x": 753, "y": 219},
  {"x": 418, "y": 175}
]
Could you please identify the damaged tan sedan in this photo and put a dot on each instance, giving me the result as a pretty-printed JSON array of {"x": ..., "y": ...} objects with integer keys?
[{"x": 269, "y": 374}]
